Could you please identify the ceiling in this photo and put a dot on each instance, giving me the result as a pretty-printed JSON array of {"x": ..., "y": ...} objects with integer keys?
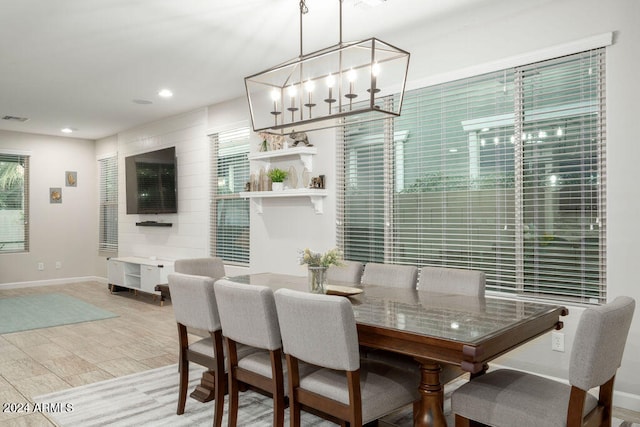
[{"x": 82, "y": 63}]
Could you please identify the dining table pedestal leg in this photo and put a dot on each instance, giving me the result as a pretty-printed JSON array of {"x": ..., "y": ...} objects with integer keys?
[
  {"x": 431, "y": 396},
  {"x": 205, "y": 391}
]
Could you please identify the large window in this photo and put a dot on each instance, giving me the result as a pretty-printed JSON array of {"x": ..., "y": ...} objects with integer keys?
[
  {"x": 108, "y": 238},
  {"x": 14, "y": 203},
  {"x": 502, "y": 172},
  {"x": 230, "y": 213}
]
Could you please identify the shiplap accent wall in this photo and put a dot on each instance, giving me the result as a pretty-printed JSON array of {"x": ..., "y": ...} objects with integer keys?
[{"x": 188, "y": 237}]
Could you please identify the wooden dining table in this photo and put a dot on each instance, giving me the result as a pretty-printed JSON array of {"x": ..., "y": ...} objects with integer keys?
[{"x": 434, "y": 329}]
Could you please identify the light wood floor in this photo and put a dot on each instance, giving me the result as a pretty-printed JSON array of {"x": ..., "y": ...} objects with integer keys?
[
  {"x": 144, "y": 336},
  {"x": 32, "y": 363}
]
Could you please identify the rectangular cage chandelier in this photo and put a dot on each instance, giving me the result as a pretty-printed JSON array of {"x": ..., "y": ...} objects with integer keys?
[{"x": 365, "y": 78}]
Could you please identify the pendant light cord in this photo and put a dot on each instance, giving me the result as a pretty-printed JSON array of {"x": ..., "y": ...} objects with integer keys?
[{"x": 304, "y": 10}]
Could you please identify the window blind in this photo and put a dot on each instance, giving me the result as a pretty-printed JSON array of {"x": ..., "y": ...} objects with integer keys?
[
  {"x": 229, "y": 213},
  {"x": 502, "y": 172},
  {"x": 108, "y": 237},
  {"x": 14, "y": 203}
]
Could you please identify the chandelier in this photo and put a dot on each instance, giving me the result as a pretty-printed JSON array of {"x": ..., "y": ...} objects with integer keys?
[{"x": 365, "y": 79}]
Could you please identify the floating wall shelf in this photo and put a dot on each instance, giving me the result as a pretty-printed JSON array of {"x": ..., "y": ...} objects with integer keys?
[
  {"x": 316, "y": 197},
  {"x": 304, "y": 153}
]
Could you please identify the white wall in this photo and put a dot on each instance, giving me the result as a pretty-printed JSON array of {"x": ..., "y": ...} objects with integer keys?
[
  {"x": 189, "y": 235},
  {"x": 65, "y": 232}
]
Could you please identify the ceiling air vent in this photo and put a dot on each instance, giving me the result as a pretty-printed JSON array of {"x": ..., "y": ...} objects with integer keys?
[{"x": 15, "y": 118}]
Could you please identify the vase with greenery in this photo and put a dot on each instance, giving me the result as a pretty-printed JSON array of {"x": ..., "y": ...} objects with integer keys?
[
  {"x": 277, "y": 177},
  {"x": 318, "y": 264}
]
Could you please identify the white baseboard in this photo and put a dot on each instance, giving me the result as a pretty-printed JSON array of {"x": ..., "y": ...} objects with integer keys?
[{"x": 50, "y": 282}]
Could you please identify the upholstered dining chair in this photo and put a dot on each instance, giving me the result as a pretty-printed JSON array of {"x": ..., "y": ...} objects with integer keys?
[
  {"x": 392, "y": 275},
  {"x": 208, "y": 266},
  {"x": 512, "y": 398},
  {"x": 452, "y": 281},
  {"x": 194, "y": 306},
  {"x": 348, "y": 272},
  {"x": 248, "y": 316},
  {"x": 321, "y": 330}
]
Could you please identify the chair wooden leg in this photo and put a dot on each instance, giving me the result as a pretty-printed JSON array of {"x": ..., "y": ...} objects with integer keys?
[
  {"x": 462, "y": 421},
  {"x": 233, "y": 401},
  {"x": 221, "y": 378},
  {"x": 183, "y": 368}
]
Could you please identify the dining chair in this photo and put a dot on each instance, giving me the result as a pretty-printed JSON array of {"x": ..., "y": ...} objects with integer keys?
[
  {"x": 507, "y": 398},
  {"x": 248, "y": 316},
  {"x": 321, "y": 330},
  {"x": 194, "y": 306},
  {"x": 348, "y": 272},
  {"x": 392, "y": 275},
  {"x": 452, "y": 281},
  {"x": 208, "y": 266}
]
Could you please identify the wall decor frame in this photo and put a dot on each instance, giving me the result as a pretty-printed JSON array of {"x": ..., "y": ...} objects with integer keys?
[
  {"x": 55, "y": 195},
  {"x": 71, "y": 178}
]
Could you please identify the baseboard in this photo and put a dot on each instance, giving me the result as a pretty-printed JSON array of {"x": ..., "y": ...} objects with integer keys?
[{"x": 50, "y": 282}]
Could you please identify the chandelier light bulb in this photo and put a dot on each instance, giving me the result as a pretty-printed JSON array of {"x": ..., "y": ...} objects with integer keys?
[
  {"x": 351, "y": 75},
  {"x": 331, "y": 80},
  {"x": 275, "y": 95},
  {"x": 375, "y": 69},
  {"x": 309, "y": 85},
  {"x": 292, "y": 91}
]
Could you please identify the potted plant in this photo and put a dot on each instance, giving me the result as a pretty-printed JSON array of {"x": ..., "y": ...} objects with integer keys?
[{"x": 277, "y": 177}]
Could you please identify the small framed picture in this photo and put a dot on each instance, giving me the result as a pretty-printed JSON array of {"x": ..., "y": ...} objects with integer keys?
[
  {"x": 71, "y": 178},
  {"x": 55, "y": 195}
]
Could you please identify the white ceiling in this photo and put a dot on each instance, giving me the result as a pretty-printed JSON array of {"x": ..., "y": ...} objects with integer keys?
[{"x": 81, "y": 63}]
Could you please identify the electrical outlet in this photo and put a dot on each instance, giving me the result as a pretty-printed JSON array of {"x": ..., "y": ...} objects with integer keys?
[
  {"x": 557, "y": 341},
  {"x": 58, "y": 265},
  {"x": 41, "y": 266}
]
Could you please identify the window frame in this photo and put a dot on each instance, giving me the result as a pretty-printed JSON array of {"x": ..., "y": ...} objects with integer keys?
[
  {"x": 22, "y": 159},
  {"x": 390, "y": 183}
]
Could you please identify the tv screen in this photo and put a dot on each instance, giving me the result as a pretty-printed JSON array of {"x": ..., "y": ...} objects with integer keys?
[{"x": 151, "y": 181}]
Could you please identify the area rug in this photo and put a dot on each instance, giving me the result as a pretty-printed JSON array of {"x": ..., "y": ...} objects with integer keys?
[
  {"x": 149, "y": 399},
  {"x": 46, "y": 310}
]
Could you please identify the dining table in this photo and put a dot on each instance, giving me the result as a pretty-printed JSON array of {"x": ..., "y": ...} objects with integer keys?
[{"x": 432, "y": 328}]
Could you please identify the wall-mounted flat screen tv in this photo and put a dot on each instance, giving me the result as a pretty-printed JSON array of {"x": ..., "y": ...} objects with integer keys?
[{"x": 151, "y": 182}]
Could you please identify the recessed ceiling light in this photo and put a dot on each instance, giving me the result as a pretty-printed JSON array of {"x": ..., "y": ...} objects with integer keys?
[
  {"x": 141, "y": 101},
  {"x": 453, "y": 150},
  {"x": 165, "y": 93},
  {"x": 67, "y": 130},
  {"x": 485, "y": 129}
]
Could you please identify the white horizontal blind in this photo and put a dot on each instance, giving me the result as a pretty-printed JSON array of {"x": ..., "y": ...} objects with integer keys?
[
  {"x": 108, "y": 238},
  {"x": 562, "y": 142},
  {"x": 502, "y": 172},
  {"x": 14, "y": 203},
  {"x": 230, "y": 213}
]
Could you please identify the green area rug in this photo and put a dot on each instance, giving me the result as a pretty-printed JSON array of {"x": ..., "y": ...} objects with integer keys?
[{"x": 44, "y": 311}]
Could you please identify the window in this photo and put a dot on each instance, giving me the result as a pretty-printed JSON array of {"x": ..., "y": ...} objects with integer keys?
[
  {"x": 14, "y": 203},
  {"x": 502, "y": 172},
  {"x": 108, "y": 239},
  {"x": 230, "y": 213}
]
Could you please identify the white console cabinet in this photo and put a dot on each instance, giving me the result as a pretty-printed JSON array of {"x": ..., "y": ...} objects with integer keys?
[{"x": 138, "y": 274}]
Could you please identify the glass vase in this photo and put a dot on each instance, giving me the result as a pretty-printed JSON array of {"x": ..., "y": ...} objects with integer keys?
[{"x": 317, "y": 280}]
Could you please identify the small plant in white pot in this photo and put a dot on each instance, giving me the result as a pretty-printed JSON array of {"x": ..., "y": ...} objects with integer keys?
[{"x": 277, "y": 177}]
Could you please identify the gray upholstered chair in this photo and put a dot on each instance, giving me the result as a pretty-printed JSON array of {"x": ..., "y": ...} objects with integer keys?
[
  {"x": 457, "y": 281},
  {"x": 209, "y": 266},
  {"x": 248, "y": 316},
  {"x": 194, "y": 306},
  {"x": 321, "y": 330},
  {"x": 452, "y": 281},
  {"x": 348, "y": 272},
  {"x": 392, "y": 275},
  {"x": 512, "y": 398}
]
